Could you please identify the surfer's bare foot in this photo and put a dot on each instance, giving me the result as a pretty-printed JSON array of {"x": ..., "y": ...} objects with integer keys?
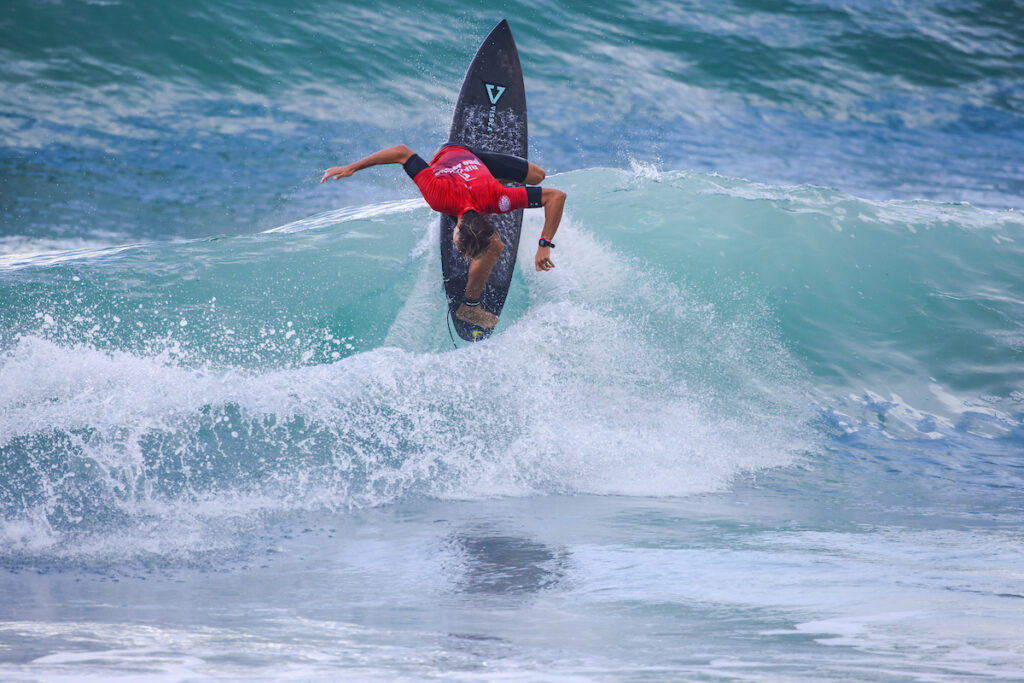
[{"x": 477, "y": 316}]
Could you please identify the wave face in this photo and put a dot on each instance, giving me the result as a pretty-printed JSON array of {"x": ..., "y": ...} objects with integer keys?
[{"x": 205, "y": 384}]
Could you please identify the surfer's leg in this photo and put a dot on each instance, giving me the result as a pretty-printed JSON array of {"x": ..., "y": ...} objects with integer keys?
[
  {"x": 536, "y": 174},
  {"x": 507, "y": 167},
  {"x": 479, "y": 272},
  {"x": 480, "y": 267}
]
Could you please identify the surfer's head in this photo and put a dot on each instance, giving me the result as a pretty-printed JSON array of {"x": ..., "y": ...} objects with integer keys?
[{"x": 473, "y": 234}]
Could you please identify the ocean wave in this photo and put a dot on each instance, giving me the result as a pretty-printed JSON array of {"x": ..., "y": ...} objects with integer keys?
[{"x": 696, "y": 328}]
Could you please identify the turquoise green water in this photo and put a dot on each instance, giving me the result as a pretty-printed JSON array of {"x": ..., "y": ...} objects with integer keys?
[{"x": 762, "y": 421}]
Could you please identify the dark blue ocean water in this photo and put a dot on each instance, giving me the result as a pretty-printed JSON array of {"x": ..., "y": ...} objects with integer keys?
[{"x": 765, "y": 420}]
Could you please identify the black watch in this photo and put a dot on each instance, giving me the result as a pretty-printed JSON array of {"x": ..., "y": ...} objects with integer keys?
[{"x": 544, "y": 243}]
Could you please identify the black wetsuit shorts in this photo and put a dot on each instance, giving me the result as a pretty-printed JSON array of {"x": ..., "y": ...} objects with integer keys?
[{"x": 506, "y": 167}]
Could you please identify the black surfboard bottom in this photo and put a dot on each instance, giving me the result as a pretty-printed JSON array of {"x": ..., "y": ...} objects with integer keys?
[{"x": 490, "y": 115}]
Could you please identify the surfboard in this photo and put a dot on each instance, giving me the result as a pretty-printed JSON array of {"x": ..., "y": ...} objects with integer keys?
[{"x": 490, "y": 115}]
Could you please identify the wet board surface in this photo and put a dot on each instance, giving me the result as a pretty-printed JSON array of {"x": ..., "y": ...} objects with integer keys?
[{"x": 490, "y": 115}]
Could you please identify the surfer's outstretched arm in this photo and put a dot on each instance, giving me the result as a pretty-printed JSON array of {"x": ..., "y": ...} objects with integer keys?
[
  {"x": 553, "y": 202},
  {"x": 398, "y": 154}
]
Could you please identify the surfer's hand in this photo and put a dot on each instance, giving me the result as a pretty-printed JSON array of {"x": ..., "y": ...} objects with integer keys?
[
  {"x": 543, "y": 260},
  {"x": 337, "y": 172}
]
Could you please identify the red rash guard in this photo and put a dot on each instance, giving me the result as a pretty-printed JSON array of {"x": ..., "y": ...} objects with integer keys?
[{"x": 456, "y": 181}]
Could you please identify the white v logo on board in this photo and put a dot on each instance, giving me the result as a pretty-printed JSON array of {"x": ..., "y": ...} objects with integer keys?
[{"x": 494, "y": 92}]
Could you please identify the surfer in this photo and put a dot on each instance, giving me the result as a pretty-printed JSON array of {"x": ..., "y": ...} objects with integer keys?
[{"x": 464, "y": 182}]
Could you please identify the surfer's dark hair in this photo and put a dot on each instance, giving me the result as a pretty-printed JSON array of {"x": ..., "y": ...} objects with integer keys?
[{"x": 475, "y": 234}]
